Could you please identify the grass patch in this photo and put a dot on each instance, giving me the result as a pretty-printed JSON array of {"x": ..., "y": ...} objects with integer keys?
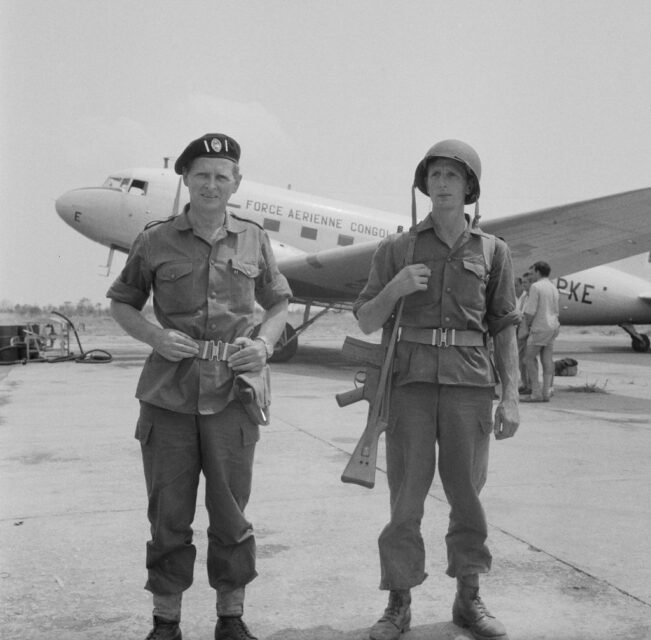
[{"x": 590, "y": 387}]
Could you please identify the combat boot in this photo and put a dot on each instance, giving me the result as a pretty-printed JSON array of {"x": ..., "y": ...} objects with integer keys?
[
  {"x": 165, "y": 630},
  {"x": 469, "y": 612},
  {"x": 396, "y": 618},
  {"x": 232, "y": 628}
]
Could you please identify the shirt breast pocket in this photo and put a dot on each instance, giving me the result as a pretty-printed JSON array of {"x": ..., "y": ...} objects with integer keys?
[
  {"x": 243, "y": 275},
  {"x": 474, "y": 278},
  {"x": 175, "y": 287}
]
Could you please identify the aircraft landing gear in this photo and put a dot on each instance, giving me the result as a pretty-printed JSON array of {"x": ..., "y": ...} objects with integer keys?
[
  {"x": 640, "y": 342},
  {"x": 285, "y": 348}
]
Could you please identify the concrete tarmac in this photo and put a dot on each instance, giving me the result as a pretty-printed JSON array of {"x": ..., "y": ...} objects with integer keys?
[{"x": 568, "y": 500}]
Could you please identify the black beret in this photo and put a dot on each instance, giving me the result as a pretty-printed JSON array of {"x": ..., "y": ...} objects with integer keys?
[{"x": 212, "y": 145}]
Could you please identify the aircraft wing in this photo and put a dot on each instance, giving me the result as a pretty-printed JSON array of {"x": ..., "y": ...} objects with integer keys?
[
  {"x": 578, "y": 236},
  {"x": 335, "y": 275},
  {"x": 571, "y": 238}
]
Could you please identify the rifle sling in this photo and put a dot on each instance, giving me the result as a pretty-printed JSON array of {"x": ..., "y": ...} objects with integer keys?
[{"x": 380, "y": 404}]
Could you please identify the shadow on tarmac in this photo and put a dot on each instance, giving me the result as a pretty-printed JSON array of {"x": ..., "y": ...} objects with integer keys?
[{"x": 438, "y": 631}]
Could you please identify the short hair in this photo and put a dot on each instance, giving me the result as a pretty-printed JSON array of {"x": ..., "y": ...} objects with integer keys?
[
  {"x": 518, "y": 280},
  {"x": 542, "y": 268}
]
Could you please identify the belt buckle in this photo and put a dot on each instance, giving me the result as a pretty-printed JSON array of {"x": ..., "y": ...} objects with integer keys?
[
  {"x": 220, "y": 348},
  {"x": 443, "y": 340},
  {"x": 215, "y": 350}
]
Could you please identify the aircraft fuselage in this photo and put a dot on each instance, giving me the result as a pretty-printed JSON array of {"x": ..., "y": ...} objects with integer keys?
[{"x": 298, "y": 223}]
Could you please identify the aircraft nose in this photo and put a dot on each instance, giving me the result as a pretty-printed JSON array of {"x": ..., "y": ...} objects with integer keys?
[{"x": 64, "y": 207}]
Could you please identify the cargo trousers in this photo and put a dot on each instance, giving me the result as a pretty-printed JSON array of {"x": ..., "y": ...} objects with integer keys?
[
  {"x": 176, "y": 448},
  {"x": 459, "y": 421}
]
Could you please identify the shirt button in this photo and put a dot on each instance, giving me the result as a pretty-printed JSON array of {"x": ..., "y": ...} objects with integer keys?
[
  {"x": 213, "y": 294},
  {"x": 447, "y": 319},
  {"x": 448, "y": 289},
  {"x": 213, "y": 326}
]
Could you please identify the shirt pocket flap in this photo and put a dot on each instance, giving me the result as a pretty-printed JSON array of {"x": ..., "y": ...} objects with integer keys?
[
  {"x": 248, "y": 269},
  {"x": 171, "y": 271},
  {"x": 478, "y": 268}
]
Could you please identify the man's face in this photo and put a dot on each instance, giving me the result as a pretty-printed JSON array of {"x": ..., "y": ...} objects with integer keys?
[
  {"x": 535, "y": 275},
  {"x": 211, "y": 182},
  {"x": 447, "y": 183}
]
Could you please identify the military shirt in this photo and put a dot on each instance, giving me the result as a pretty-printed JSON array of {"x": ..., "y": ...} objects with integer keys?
[
  {"x": 206, "y": 290},
  {"x": 461, "y": 294}
]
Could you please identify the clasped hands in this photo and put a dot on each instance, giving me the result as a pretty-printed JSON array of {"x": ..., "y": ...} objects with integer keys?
[{"x": 174, "y": 345}]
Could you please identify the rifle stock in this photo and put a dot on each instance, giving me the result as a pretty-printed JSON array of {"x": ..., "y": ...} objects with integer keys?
[{"x": 361, "y": 466}]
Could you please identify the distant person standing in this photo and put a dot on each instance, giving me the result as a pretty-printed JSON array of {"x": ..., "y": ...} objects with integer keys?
[
  {"x": 541, "y": 320},
  {"x": 206, "y": 269},
  {"x": 522, "y": 284}
]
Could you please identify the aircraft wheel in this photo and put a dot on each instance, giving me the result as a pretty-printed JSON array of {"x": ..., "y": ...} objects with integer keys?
[
  {"x": 285, "y": 348},
  {"x": 641, "y": 344}
]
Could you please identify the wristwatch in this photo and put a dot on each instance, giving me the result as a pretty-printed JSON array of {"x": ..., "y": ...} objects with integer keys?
[{"x": 267, "y": 345}]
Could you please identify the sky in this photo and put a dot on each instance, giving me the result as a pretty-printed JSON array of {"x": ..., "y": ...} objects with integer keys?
[{"x": 339, "y": 98}]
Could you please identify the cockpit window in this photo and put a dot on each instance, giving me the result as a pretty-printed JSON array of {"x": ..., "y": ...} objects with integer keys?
[
  {"x": 138, "y": 188},
  {"x": 127, "y": 185},
  {"x": 113, "y": 182}
]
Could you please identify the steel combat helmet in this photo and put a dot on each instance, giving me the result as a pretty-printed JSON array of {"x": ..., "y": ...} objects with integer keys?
[{"x": 455, "y": 150}]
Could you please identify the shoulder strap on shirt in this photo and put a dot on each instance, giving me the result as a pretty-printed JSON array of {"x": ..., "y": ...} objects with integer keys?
[
  {"x": 155, "y": 223},
  {"x": 488, "y": 247},
  {"x": 411, "y": 247},
  {"x": 246, "y": 220}
]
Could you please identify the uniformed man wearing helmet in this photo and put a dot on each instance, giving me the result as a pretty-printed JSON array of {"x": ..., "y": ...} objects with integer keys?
[{"x": 457, "y": 285}]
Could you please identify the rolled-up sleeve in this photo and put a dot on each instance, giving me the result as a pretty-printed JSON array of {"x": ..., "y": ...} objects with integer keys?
[
  {"x": 501, "y": 307},
  {"x": 383, "y": 269},
  {"x": 271, "y": 286},
  {"x": 133, "y": 285}
]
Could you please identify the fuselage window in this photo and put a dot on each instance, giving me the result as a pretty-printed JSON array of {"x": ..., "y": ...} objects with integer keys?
[
  {"x": 308, "y": 232},
  {"x": 271, "y": 225}
]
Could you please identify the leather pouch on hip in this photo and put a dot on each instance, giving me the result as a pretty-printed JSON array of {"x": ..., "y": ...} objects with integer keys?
[{"x": 253, "y": 390}]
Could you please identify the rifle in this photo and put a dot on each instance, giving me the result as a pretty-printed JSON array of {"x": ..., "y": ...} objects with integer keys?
[
  {"x": 377, "y": 384},
  {"x": 376, "y": 389}
]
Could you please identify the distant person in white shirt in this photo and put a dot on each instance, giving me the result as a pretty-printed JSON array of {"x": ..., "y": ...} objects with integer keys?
[
  {"x": 522, "y": 284},
  {"x": 541, "y": 322}
]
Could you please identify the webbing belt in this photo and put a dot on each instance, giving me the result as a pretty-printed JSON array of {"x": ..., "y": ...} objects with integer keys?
[
  {"x": 443, "y": 337},
  {"x": 211, "y": 350}
]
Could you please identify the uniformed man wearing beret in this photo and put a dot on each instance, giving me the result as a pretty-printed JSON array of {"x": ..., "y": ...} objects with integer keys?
[
  {"x": 457, "y": 285},
  {"x": 206, "y": 269}
]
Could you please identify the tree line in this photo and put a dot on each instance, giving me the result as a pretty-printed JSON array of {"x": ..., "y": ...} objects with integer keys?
[{"x": 84, "y": 307}]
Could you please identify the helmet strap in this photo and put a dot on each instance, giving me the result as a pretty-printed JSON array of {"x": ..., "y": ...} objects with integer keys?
[
  {"x": 413, "y": 206},
  {"x": 475, "y": 220}
]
